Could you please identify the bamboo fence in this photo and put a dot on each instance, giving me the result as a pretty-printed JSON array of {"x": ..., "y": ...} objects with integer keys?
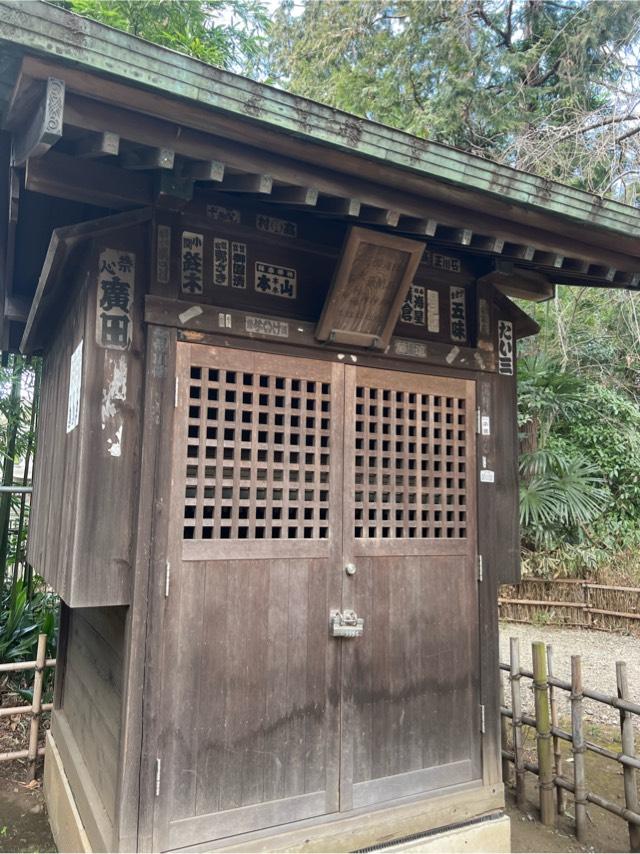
[
  {"x": 36, "y": 708},
  {"x": 553, "y": 784},
  {"x": 572, "y": 602}
]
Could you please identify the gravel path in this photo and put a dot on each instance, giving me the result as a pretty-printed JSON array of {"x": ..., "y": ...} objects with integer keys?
[{"x": 599, "y": 651}]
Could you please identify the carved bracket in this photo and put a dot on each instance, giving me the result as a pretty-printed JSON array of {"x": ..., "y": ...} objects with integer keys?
[{"x": 44, "y": 128}]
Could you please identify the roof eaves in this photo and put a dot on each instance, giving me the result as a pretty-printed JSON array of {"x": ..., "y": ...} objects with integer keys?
[{"x": 40, "y": 27}]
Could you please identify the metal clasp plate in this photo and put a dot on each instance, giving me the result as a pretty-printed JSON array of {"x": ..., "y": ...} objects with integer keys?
[{"x": 345, "y": 624}]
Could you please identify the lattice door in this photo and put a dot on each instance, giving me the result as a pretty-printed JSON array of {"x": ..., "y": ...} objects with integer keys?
[
  {"x": 258, "y": 455},
  {"x": 410, "y": 465},
  {"x": 410, "y": 685}
]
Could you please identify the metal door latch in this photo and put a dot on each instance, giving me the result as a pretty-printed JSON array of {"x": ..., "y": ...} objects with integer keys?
[{"x": 345, "y": 624}]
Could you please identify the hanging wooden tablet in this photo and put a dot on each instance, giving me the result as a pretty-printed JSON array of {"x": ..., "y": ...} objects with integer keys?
[{"x": 369, "y": 287}]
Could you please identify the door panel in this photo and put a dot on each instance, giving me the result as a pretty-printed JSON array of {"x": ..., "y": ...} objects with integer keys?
[
  {"x": 285, "y": 470},
  {"x": 253, "y": 727},
  {"x": 410, "y": 684}
]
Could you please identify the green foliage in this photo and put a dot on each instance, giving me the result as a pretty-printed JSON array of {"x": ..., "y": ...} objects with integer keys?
[
  {"x": 228, "y": 34},
  {"x": 477, "y": 74},
  {"x": 23, "y": 616},
  {"x": 26, "y": 611}
]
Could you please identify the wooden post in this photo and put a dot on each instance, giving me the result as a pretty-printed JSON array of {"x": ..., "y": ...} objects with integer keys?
[
  {"x": 36, "y": 705},
  {"x": 578, "y": 748},
  {"x": 504, "y": 739},
  {"x": 628, "y": 747},
  {"x": 516, "y": 708},
  {"x": 557, "y": 755},
  {"x": 543, "y": 728}
]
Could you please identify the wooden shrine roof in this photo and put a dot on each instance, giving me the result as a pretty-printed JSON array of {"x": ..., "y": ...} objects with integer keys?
[
  {"x": 48, "y": 30},
  {"x": 134, "y": 124}
]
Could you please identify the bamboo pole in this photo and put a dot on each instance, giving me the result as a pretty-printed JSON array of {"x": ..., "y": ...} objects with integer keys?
[
  {"x": 578, "y": 748},
  {"x": 516, "y": 706},
  {"x": 543, "y": 730},
  {"x": 504, "y": 739},
  {"x": 628, "y": 747},
  {"x": 36, "y": 708},
  {"x": 9, "y": 712},
  {"x": 557, "y": 755},
  {"x": 16, "y": 666}
]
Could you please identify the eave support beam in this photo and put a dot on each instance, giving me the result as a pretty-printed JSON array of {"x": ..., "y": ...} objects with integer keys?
[
  {"x": 339, "y": 206},
  {"x": 248, "y": 183},
  {"x": 105, "y": 144},
  {"x": 301, "y": 196},
  {"x": 45, "y": 126}
]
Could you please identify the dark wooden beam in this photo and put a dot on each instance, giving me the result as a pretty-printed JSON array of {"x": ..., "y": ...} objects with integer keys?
[
  {"x": 522, "y": 252},
  {"x": 249, "y": 183},
  {"x": 602, "y": 272},
  {"x": 203, "y": 170},
  {"x": 338, "y": 206},
  {"x": 415, "y": 225},
  {"x": 148, "y": 158},
  {"x": 327, "y": 168},
  {"x": 87, "y": 181},
  {"x": 105, "y": 144},
  {"x": 454, "y": 235},
  {"x": 495, "y": 245},
  {"x": 379, "y": 216},
  {"x": 16, "y": 308},
  {"x": 548, "y": 259},
  {"x": 302, "y": 196},
  {"x": 44, "y": 128},
  {"x": 627, "y": 280},
  {"x": 518, "y": 282},
  {"x": 576, "y": 265},
  {"x": 172, "y": 191}
]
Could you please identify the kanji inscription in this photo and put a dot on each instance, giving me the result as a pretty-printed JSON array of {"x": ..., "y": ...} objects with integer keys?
[
  {"x": 238, "y": 265},
  {"x": 116, "y": 276},
  {"x": 457, "y": 314},
  {"x": 413, "y": 308},
  {"x": 192, "y": 262},
  {"x": 274, "y": 225},
  {"x": 163, "y": 254},
  {"x": 505, "y": 347},
  {"x": 220, "y": 262},
  {"x": 277, "y": 281}
]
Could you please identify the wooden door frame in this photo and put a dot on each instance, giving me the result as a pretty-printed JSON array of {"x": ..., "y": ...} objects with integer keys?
[{"x": 140, "y": 724}]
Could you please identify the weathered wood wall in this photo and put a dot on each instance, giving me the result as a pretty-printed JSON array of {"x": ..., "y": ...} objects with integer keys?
[
  {"x": 86, "y": 478},
  {"x": 87, "y": 719}
]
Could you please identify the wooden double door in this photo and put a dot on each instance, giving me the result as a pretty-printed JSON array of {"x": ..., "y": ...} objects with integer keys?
[{"x": 288, "y": 475}]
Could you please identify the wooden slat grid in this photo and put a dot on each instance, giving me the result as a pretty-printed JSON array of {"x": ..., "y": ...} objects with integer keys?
[
  {"x": 257, "y": 456},
  {"x": 410, "y": 465}
]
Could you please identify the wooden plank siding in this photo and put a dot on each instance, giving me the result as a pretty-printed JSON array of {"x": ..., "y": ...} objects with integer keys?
[
  {"x": 87, "y": 717},
  {"x": 83, "y": 503}
]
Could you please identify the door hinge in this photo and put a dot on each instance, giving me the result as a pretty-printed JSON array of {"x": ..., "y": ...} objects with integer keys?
[
  {"x": 479, "y": 568},
  {"x": 158, "y": 767},
  {"x": 167, "y": 579},
  {"x": 482, "y": 727},
  {"x": 483, "y": 424},
  {"x": 175, "y": 402}
]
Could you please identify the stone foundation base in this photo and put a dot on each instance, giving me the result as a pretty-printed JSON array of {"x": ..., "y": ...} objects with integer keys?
[
  {"x": 66, "y": 826},
  {"x": 491, "y": 836}
]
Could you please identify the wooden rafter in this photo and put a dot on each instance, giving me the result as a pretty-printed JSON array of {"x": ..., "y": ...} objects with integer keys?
[
  {"x": 104, "y": 144},
  {"x": 297, "y": 196}
]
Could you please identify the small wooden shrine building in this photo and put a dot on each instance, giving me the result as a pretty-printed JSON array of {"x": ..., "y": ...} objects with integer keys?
[{"x": 276, "y": 483}]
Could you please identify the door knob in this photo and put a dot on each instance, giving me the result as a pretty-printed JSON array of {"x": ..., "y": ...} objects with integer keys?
[{"x": 350, "y": 569}]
